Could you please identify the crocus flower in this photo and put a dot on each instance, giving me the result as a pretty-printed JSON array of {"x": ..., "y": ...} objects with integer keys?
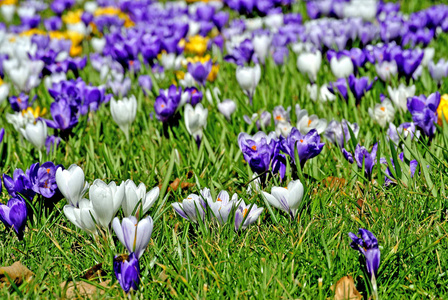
[
  {"x": 134, "y": 235},
  {"x": 134, "y": 196},
  {"x": 221, "y": 208},
  {"x": 248, "y": 79},
  {"x": 19, "y": 183},
  {"x": 438, "y": 71},
  {"x": 190, "y": 207},
  {"x": 106, "y": 200},
  {"x": 413, "y": 164},
  {"x": 167, "y": 103},
  {"x": 127, "y": 272},
  {"x": 200, "y": 71},
  {"x": 52, "y": 142},
  {"x": 145, "y": 83},
  {"x": 424, "y": 112},
  {"x": 338, "y": 132},
  {"x": 227, "y": 108},
  {"x": 280, "y": 114},
  {"x": 14, "y": 215},
  {"x": 4, "y": 91},
  {"x": 383, "y": 113},
  {"x": 245, "y": 211},
  {"x": 2, "y": 134},
  {"x": 442, "y": 109},
  {"x": 283, "y": 128},
  {"x": 306, "y": 123},
  {"x": 362, "y": 156},
  {"x": 261, "y": 43},
  {"x": 341, "y": 65},
  {"x": 81, "y": 215},
  {"x": 367, "y": 245},
  {"x": 287, "y": 199},
  {"x": 309, "y": 63},
  {"x": 400, "y": 95},
  {"x": 339, "y": 87},
  {"x": 36, "y": 133},
  {"x": 19, "y": 103},
  {"x": 71, "y": 184},
  {"x": 385, "y": 70},
  {"x": 308, "y": 146},
  {"x": 405, "y": 129},
  {"x": 43, "y": 179},
  {"x": 257, "y": 150},
  {"x": 65, "y": 116},
  {"x": 359, "y": 86},
  {"x": 264, "y": 119},
  {"x": 124, "y": 112},
  {"x": 196, "y": 120}
]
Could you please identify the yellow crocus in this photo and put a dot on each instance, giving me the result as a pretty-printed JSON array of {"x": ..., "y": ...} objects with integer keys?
[
  {"x": 36, "y": 112},
  {"x": 442, "y": 109},
  {"x": 213, "y": 73},
  {"x": 196, "y": 45},
  {"x": 72, "y": 17}
]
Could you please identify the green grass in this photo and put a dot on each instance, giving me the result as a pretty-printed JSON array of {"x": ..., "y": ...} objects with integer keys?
[{"x": 274, "y": 258}]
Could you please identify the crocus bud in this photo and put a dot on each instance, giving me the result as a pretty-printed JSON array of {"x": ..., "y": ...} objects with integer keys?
[
  {"x": 227, "y": 108},
  {"x": 36, "y": 134},
  {"x": 134, "y": 196},
  {"x": 145, "y": 83},
  {"x": 106, "y": 200},
  {"x": 14, "y": 214},
  {"x": 309, "y": 63},
  {"x": 134, "y": 235},
  {"x": 123, "y": 112},
  {"x": 195, "y": 120},
  {"x": 248, "y": 79},
  {"x": 2, "y": 134},
  {"x": 4, "y": 92},
  {"x": 71, "y": 184},
  {"x": 250, "y": 212},
  {"x": 8, "y": 12},
  {"x": 286, "y": 199},
  {"x": 341, "y": 67},
  {"x": 98, "y": 44},
  {"x": 127, "y": 272},
  {"x": 190, "y": 207},
  {"x": 82, "y": 217},
  {"x": 261, "y": 46}
]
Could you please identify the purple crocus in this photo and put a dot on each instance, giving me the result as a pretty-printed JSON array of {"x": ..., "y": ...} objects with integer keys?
[
  {"x": 19, "y": 103},
  {"x": 190, "y": 207},
  {"x": 367, "y": 245},
  {"x": 14, "y": 215},
  {"x": 2, "y": 134},
  {"x": 257, "y": 150},
  {"x": 52, "y": 142},
  {"x": 308, "y": 146},
  {"x": 200, "y": 71},
  {"x": 53, "y": 23},
  {"x": 127, "y": 272},
  {"x": 43, "y": 179},
  {"x": 413, "y": 164},
  {"x": 408, "y": 61},
  {"x": 64, "y": 115},
  {"x": 438, "y": 71},
  {"x": 339, "y": 86},
  {"x": 338, "y": 132},
  {"x": 145, "y": 83},
  {"x": 424, "y": 112},
  {"x": 362, "y": 156},
  {"x": 359, "y": 86},
  {"x": 167, "y": 103},
  {"x": 19, "y": 183}
]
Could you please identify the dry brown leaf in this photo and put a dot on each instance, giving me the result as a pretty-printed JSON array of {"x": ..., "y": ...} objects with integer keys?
[
  {"x": 83, "y": 288},
  {"x": 16, "y": 272},
  {"x": 95, "y": 271},
  {"x": 345, "y": 289},
  {"x": 174, "y": 185},
  {"x": 334, "y": 182}
]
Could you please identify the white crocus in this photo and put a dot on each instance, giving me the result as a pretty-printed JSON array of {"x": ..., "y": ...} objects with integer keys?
[
  {"x": 134, "y": 235},
  {"x": 8, "y": 12},
  {"x": 386, "y": 70},
  {"x": 400, "y": 95},
  {"x": 309, "y": 63},
  {"x": 187, "y": 81},
  {"x": 106, "y": 200},
  {"x": 36, "y": 133},
  {"x": 312, "y": 91},
  {"x": 341, "y": 67},
  {"x": 253, "y": 24},
  {"x": 383, "y": 113},
  {"x": 17, "y": 72},
  {"x": 212, "y": 95},
  {"x": 54, "y": 78},
  {"x": 170, "y": 61},
  {"x": 124, "y": 112},
  {"x": 98, "y": 44},
  {"x": 325, "y": 94},
  {"x": 261, "y": 46},
  {"x": 220, "y": 208},
  {"x": 4, "y": 92},
  {"x": 134, "y": 196},
  {"x": 428, "y": 55},
  {"x": 71, "y": 183},
  {"x": 81, "y": 217},
  {"x": 306, "y": 123},
  {"x": 287, "y": 199},
  {"x": 248, "y": 79},
  {"x": 195, "y": 120},
  {"x": 283, "y": 128},
  {"x": 227, "y": 108}
]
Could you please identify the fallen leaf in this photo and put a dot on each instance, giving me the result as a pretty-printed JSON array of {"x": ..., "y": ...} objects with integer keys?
[
  {"x": 94, "y": 272},
  {"x": 334, "y": 182},
  {"x": 83, "y": 288},
  {"x": 345, "y": 289},
  {"x": 174, "y": 185},
  {"x": 17, "y": 272}
]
